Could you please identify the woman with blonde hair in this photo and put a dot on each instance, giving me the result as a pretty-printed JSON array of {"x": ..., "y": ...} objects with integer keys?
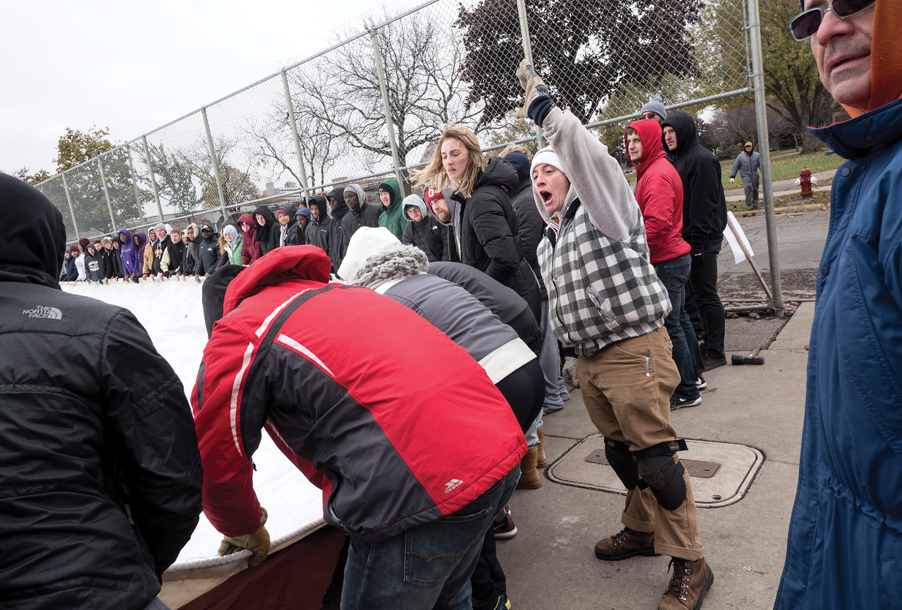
[{"x": 484, "y": 221}]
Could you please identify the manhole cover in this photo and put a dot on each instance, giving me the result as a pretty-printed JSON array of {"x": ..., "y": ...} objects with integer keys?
[
  {"x": 695, "y": 468},
  {"x": 721, "y": 472}
]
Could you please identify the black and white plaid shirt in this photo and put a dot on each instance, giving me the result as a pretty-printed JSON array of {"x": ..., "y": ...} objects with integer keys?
[{"x": 600, "y": 290}]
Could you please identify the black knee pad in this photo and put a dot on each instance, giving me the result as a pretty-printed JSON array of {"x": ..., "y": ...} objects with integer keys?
[
  {"x": 663, "y": 476},
  {"x": 621, "y": 460}
]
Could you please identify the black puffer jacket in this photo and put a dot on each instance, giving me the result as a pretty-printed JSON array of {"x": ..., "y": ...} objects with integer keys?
[
  {"x": 100, "y": 475},
  {"x": 704, "y": 204},
  {"x": 268, "y": 234},
  {"x": 490, "y": 236},
  {"x": 337, "y": 248},
  {"x": 207, "y": 255},
  {"x": 111, "y": 264},
  {"x": 532, "y": 228}
]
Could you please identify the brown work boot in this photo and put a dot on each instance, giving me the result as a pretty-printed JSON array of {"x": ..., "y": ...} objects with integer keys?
[
  {"x": 542, "y": 461},
  {"x": 688, "y": 585},
  {"x": 625, "y": 544},
  {"x": 529, "y": 476}
]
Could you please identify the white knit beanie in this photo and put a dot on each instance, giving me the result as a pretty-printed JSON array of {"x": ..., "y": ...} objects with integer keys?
[{"x": 546, "y": 156}]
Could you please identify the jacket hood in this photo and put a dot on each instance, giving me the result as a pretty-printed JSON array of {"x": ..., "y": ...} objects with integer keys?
[
  {"x": 322, "y": 205},
  {"x": 305, "y": 212},
  {"x": 265, "y": 231},
  {"x": 650, "y": 134},
  {"x": 292, "y": 212},
  {"x": 365, "y": 242},
  {"x": 33, "y": 241},
  {"x": 230, "y": 230},
  {"x": 361, "y": 196},
  {"x": 684, "y": 126},
  {"x": 498, "y": 172},
  {"x": 245, "y": 218},
  {"x": 416, "y": 201},
  {"x": 280, "y": 265},
  {"x": 129, "y": 244},
  {"x": 142, "y": 239},
  {"x": 342, "y": 209},
  {"x": 213, "y": 291},
  {"x": 397, "y": 263},
  {"x": 392, "y": 184}
]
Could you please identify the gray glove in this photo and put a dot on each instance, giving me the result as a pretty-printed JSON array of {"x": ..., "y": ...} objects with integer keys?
[
  {"x": 532, "y": 84},
  {"x": 569, "y": 372}
]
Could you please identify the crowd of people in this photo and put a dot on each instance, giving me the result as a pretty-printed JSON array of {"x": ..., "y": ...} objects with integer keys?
[{"x": 106, "y": 471}]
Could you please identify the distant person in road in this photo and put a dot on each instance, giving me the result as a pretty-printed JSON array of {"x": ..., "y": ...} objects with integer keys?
[
  {"x": 100, "y": 474},
  {"x": 608, "y": 303},
  {"x": 747, "y": 164},
  {"x": 704, "y": 219},
  {"x": 845, "y": 536}
]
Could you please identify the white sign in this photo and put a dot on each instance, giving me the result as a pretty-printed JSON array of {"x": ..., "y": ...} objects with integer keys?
[{"x": 738, "y": 254}]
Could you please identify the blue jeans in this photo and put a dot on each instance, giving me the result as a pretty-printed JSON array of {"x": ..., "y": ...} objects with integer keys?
[
  {"x": 427, "y": 566},
  {"x": 686, "y": 354}
]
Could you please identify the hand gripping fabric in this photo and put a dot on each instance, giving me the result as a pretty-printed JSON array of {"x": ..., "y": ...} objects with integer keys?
[
  {"x": 663, "y": 476},
  {"x": 622, "y": 461}
]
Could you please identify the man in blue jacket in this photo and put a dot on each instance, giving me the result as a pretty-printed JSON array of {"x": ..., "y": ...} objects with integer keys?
[{"x": 845, "y": 537}]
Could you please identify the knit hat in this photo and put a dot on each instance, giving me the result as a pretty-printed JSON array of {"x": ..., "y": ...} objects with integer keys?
[
  {"x": 546, "y": 156},
  {"x": 73, "y": 250},
  {"x": 365, "y": 242},
  {"x": 520, "y": 163},
  {"x": 303, "y": 212},
  {"x": 655, "y": 105},
  {"x": 160, "y": 225},
  {"x": 431, "y": 195},
  {"x": 83, "y": 242},
  {"x": 281, "y": 211}
]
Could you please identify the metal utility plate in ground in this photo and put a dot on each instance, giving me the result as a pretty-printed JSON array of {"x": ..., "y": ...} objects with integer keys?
[{"x": 739, "y": 464}]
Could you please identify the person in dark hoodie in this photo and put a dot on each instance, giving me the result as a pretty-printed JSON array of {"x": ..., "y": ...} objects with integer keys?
[
  {"x": 392, "y": 217},
  {"x": 207, "y": 253},
  {"x": 92, "y": 264},
  {"x": 100, "y": 492},
  {"x": 488, "y": 231},
  {"x": 139, "y": 241},
  {"x": 302, "y": 219},
  {"x": 110, "y": 261},
  {"x": 174, "y": 255},
  {"x": 423, "y": 231},
  {"x": 704, "y": 219},
  {"x": 318, "y": 229},
  {"x": 363, "y": 213},
  {"x": 267, "y": 230},
  {"x": 71, "y": 268},
  {"x": 337, "y": 247},
  {"x": 160, "y": 245}
]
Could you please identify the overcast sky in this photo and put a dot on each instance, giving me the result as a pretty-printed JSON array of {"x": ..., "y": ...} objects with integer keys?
[{"x": 135, "y": 66}]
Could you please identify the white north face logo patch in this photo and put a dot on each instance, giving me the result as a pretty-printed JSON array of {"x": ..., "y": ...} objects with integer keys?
[
  {"x": 43, "y": 312},
  {"x": 452, "y": 485}
]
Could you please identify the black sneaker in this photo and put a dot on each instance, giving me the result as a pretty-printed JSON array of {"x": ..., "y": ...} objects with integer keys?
[
  {"x": 679, "y": 403},
  {"x": 506, "y": 529},
  {"x": 713, "y": 362},
  {"x": 701, "y": 384}
]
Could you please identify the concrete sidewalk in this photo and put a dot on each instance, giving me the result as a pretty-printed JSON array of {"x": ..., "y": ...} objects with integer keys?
[
  {"x": 781, "y": 187},
  {"x": 551, "y": 564}
]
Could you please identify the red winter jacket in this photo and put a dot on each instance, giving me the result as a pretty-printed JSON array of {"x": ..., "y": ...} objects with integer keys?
[
  {"x": 659, "y": 192},
  {"x": 250, "y": 247},
  {"x": 390, "y": 450}
]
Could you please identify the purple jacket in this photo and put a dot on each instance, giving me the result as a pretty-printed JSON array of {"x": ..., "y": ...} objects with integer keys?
[{"x": 128, "y": 253}]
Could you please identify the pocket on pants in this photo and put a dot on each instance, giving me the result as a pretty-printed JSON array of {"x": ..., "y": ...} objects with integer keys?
[{"x": 432, "y": 551}]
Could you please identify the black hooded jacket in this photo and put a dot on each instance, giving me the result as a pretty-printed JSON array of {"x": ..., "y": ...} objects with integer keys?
[
  {"x": 100, "y": 474},
  {"x": 111, "y": 263},
  {"x": 207, "y": 255},
  {"x": 704, "y": 204},
  {"x": 93, "y": 270},
  {"x": 490, "y": 235},
  {"x": 268, "y": 235},
  {"x": 318, "y": 231},
  {"x": 532, "y": 227},
  {"x": 337, "y": 247}
]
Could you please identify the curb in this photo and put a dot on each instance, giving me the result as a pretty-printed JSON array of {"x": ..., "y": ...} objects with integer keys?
[{"x": 787, "y": 209}]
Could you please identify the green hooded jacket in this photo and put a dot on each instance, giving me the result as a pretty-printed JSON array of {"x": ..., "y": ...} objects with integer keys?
[{"x": 393, "y": 218}]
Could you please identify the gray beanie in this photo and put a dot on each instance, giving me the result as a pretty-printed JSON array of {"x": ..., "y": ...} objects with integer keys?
[{"x": 655, "y": 105}]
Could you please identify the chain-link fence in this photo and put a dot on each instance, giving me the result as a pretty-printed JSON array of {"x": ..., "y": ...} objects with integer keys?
[{"x": 371, "y": 106}]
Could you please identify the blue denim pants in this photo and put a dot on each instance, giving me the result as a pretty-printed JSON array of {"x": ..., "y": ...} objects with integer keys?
[
  {"x": 674, "y": 274},
  {"x": 427, "y": 566}
]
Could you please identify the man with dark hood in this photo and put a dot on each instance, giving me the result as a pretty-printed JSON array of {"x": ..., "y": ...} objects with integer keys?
[
  {"x": 99, "y": 467},
  {"x": 845, "y": 536},
  {"x": 363, "y": 213},
  {"x": 337, "y": 247},
  {"x": 318, "y": 229},
  {"x": 392, "y": 217},
  {"x": 747, "y": 164},
  {"x": 423, "y": 229},
  {"x": 267, "y": 231},
  {"x": 704, "y": 219}
]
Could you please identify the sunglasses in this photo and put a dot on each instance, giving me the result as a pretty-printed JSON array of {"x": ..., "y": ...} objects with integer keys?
[
  {"x": 804, "y": 25},
  {"x": 649, "y": 115}
]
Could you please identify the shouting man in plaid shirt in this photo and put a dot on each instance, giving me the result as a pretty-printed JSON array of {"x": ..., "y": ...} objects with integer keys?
[{"x": 607, "y": 303}]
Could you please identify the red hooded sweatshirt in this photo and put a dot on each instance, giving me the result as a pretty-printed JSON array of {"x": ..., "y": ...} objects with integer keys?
[
  {"x": 250, "y": 248},
  {"x": 659, "y": 192}
]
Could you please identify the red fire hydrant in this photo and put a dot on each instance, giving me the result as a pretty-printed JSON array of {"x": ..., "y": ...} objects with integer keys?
[{"x": 805, "y": 182}]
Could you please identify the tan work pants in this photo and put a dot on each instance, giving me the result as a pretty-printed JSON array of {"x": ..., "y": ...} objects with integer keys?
[{"x": 626, "y": 388}]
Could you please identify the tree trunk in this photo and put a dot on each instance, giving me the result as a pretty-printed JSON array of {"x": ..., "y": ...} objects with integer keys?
[{"x": 809, "y": 142}]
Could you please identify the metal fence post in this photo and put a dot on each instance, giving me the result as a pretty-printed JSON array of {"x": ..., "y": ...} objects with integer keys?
[
  {"x": 153, "y": 178},
  {"x": 131, "y": 168},
  {"x": 106, "y": 193},
  {"x": 71, "y": 208},
  {"x": 388, "y": 122},
  {"x": 222, "y": 205},
  {"x": 294, "y": 133},
  {"x": 527, "y": 53},
  {"x": 764, "y": 150}
]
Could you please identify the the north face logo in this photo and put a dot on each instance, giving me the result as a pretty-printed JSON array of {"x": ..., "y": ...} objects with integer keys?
[
  {"x": 44, "y": 312},
  {"x": 452, "y": 485}
]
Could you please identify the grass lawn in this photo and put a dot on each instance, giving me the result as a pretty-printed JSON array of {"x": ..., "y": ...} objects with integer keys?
[
  {"x": 820, "y": 197},
  {"x": 787, "y": 166}
]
